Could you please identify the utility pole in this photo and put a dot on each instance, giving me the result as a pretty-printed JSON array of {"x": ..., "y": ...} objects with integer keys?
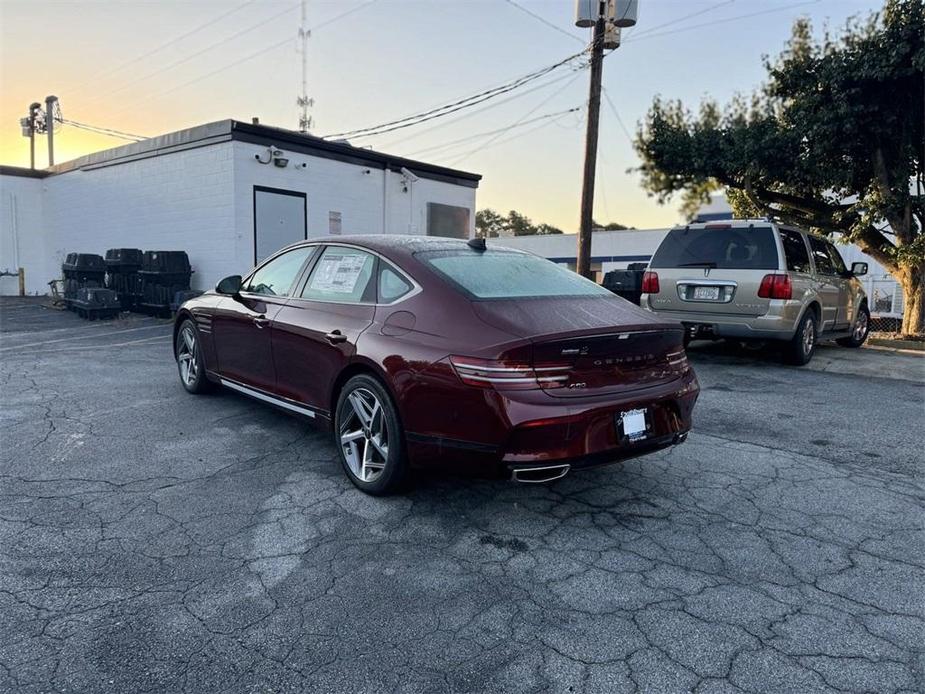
[
  {"x": 583, "y": 265},
  {"x": 607, "y": 17},
  {"x": 29, "y": 127},
  {"x": 305, "y": 121},
  {"x": 50, "y": 102}
]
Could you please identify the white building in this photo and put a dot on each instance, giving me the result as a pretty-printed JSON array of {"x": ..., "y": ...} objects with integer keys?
[{"x": 228, "y": 193}]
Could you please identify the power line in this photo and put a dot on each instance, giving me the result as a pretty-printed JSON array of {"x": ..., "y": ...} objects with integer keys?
[
  {"x": 649, "y": 30},
  {"x": 517, "y": 122},
  {"x": 547, "y": 22},
  {"x": 100, "y": 130},
  {"x": 722, "y": 21},
  {"x": 616, "y": 114},
  {"x": 452, "y": 107},
  {"x": 181, "y": 61},
  {"x": 163, "y": 46},
  {"x": 245, "y": 59},
  {"x": 469, "y": 114},
  {"x": 476, "y": 136}
]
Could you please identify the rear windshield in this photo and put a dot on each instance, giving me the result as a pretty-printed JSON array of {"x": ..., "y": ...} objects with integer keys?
[
  {"x": 506, "y": 275},
  {"x": 731, "y": 249}
]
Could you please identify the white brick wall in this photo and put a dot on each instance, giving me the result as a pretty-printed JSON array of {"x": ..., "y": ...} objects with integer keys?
[{"x": 22, "y": 241}]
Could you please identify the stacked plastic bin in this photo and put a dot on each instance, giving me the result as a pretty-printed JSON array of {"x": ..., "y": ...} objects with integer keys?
[
  {"x": 162, "y": 275},
  {"x": 122, "y": 266},
  {"x": 81, "y": 270}
]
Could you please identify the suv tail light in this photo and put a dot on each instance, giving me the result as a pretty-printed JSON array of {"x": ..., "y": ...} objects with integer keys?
[
  {"x": 775, "y": 287},
  {"x": 509, "y": 375},
  {"x": 650, "y": 282}
]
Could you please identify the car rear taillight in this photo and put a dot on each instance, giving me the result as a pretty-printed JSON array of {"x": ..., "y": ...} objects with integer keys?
[
  {"x": 650, "y": 282},
  {"x": 775, "y": 287},
  {"x": 509, "y": 375}
]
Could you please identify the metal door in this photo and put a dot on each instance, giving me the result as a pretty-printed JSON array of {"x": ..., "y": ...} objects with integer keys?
[{"x": 280, "y": 218}]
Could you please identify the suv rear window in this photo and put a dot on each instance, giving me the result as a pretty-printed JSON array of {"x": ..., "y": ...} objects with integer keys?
[
  {"x": 729, "y": 248},
  {"x": 507, "y": 275}
]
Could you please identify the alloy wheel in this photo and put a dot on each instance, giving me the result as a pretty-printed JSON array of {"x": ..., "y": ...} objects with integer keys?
[
  {"x": 860, "y": 327},
  {"x": 186, "y": 356},
  {"x": 364, "y": 435},
  {"x": 809, "y": 336}
]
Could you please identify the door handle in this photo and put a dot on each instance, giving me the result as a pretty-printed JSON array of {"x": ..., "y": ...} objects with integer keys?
[
  {"x": 335, "y": 337},
  {"x": 261, "y": 321}
]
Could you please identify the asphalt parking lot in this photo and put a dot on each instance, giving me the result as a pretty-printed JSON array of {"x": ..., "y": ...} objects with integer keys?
[{"x": 153, "y": 541}]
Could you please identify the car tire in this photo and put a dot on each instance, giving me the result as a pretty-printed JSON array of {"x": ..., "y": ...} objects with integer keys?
[
  {"x": 802, "y": 345},
  {"x": 187, "y": 350},
  {"x": 859, "y": 330},
  {"x": 369, "y": 438}
]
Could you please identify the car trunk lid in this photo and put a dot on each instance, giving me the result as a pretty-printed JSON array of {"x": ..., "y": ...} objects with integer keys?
[{"x": 610, "y": 345}]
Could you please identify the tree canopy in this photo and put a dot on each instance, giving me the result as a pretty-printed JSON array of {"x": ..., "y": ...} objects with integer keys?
[
  {"x": 834, "y": 142},
  {"x": 489, "y": 223}
]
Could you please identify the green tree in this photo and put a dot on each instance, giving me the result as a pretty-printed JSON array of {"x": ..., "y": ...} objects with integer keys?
[
  {"x": 543, "y": 229},
  {"x": 518, "y": 224},
  {"x": 488, "y": 223},
  {"x": 834, "y": 142},
  {"x": 610, "y": 226}
]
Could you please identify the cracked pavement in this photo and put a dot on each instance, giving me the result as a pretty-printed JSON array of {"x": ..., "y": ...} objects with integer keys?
[{"x": 153, "y": 541}]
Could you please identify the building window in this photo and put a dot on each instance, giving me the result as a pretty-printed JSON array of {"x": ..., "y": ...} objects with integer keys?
[{"x": 447, "y": 220}]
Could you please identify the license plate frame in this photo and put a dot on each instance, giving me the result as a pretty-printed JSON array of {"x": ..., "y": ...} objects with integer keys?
[
  {"x": 705, "y": 293},
  {"x": 632, "y": 425}
]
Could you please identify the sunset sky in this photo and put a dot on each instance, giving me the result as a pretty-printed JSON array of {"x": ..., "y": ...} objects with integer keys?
[{"x": 152, "y": 67}]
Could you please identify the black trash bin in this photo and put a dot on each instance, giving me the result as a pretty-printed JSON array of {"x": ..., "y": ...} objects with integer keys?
[
  {"x": 122, "y": 266},
  {"x": 95, "y": 302},
  {"x": 162, "y": 275},
  {"x": 81, "y": 270}
]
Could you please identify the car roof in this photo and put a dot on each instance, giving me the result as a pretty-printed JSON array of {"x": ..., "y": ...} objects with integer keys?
[{"x": 404, "y": 244}]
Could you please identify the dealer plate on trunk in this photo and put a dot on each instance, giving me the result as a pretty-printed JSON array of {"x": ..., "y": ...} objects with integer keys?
[
  {"x": 706, "y": 293},
  {"x": 632, "y": 424}
]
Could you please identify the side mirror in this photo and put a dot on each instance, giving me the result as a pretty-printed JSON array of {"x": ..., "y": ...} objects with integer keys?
[
  {"x": 858, "y": 269},
  {"x": 231, "y": 285}
]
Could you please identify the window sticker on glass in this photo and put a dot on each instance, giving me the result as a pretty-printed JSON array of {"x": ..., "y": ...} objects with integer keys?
[{"x": 338, "y": 273}]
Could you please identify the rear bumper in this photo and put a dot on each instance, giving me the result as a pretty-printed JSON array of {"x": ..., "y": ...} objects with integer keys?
[
  {"x": 779, "y": 323},
  {"x": 537, "y": 431}
]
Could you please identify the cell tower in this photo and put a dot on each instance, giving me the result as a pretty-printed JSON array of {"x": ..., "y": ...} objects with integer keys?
[{"x": 304, "y": 102}]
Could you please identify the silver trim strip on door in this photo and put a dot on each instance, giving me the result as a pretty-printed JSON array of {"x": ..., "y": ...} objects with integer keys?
[{"x": 260, "y": 395}]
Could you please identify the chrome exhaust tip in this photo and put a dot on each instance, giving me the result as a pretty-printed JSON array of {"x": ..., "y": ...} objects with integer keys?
[
  {"x": 538, "y": 475},
  {"x": 680, "y": 438}
]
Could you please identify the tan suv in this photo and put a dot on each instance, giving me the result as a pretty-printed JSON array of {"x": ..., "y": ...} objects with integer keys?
[{"x": 757, "y": 280}]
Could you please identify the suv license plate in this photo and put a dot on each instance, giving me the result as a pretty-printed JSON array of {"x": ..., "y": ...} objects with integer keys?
[
  {"x": 706, "y": 293},
  {"x": 633, "y": 423}
]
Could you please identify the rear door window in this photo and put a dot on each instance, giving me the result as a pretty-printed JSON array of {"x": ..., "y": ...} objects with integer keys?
[
  {"x": 795, "y": 251},
  {"x": 824, "y": 264},
  {"x": 837, "y": 260},
  {"x": 726, "y": 248},
  {"x": 344, "y": 275}
]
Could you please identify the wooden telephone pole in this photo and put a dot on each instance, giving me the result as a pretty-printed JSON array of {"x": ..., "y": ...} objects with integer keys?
[{"x": 583, "y": 265}]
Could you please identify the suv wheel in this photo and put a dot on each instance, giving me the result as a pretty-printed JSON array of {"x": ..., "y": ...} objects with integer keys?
[
  {"x": 368, "y": 436},
  {"x": 859, "y": 331},
  {"x": 802, "y": 346}
]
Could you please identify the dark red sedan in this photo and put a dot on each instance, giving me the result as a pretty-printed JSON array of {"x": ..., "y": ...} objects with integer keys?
[{"x": 425, "y": 351}]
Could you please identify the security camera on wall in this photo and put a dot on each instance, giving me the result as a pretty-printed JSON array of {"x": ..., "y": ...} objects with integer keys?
[{"x": 407, "y": 173}]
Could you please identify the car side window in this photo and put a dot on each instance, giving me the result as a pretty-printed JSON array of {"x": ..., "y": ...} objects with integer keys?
[
  {"x": 824, "y": 264},
  {"x": 837, "y": 260},
  {"x": 795, "y": 251},
  {"x": 392, "y": 286},
  {"x": 344, "y": 275},
  {"x": 276, "y": 277}
]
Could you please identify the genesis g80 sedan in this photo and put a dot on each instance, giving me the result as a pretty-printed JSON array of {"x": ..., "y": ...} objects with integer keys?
[{"x": 424, "y": 351}]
